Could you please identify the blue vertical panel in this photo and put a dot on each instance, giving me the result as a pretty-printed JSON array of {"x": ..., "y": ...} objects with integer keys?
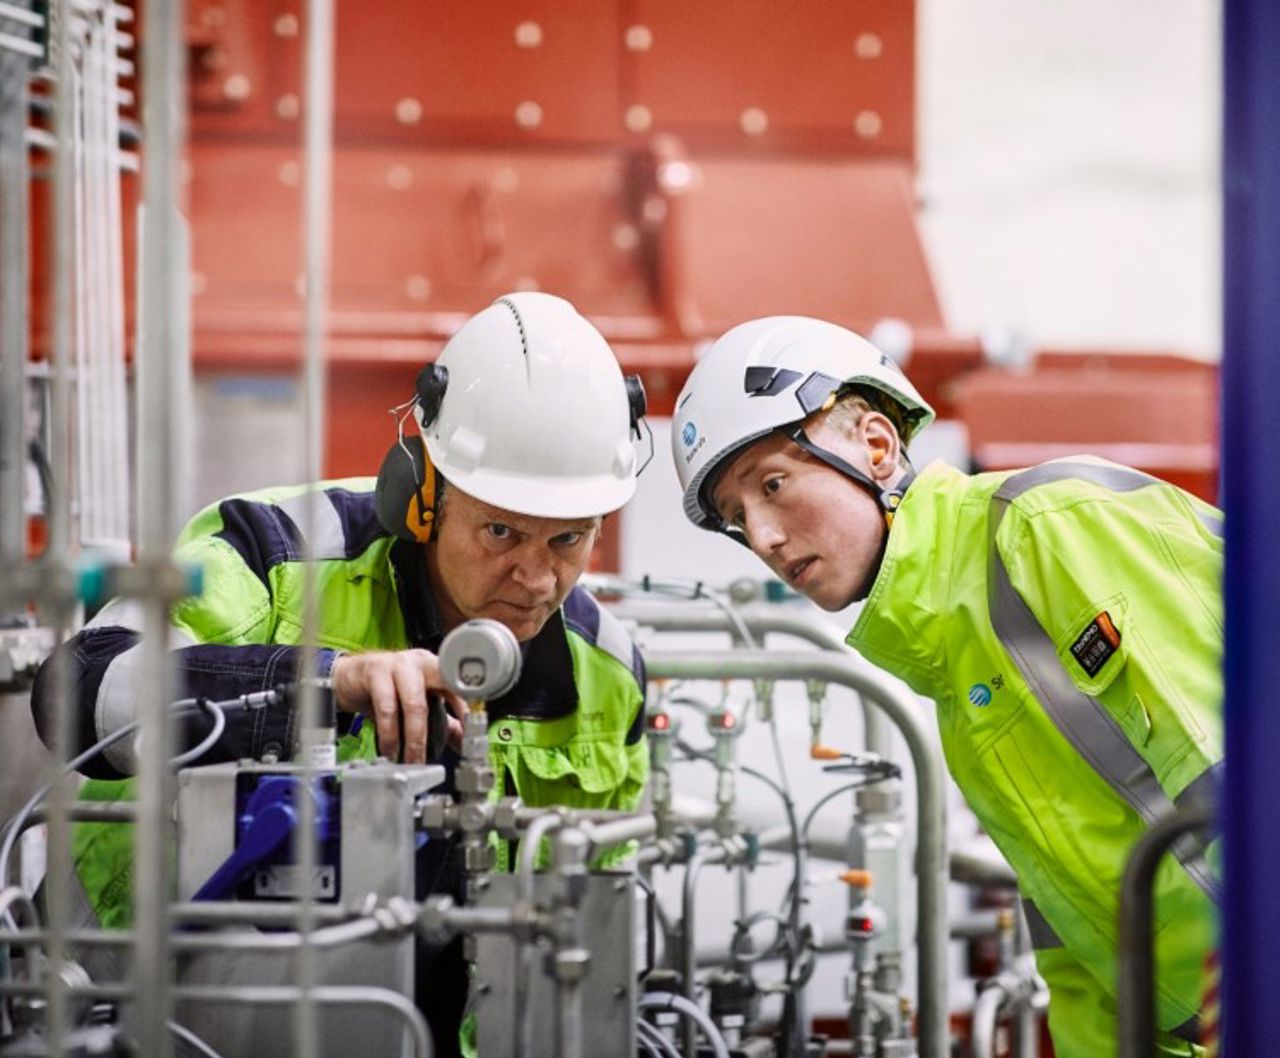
[{"x": 1251, "y": 491}]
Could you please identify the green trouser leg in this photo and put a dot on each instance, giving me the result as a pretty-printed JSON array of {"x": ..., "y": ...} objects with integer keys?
[{"x": 1082, "y": 1017}]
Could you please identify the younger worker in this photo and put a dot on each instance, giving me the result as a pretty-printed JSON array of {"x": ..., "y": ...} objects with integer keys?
[
  {"x": 1066, "y": 619},
  {"x": 526, "y": 443}
]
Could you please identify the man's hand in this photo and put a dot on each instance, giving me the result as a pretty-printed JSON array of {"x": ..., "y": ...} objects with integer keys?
[{"x": 391, "y": 686}]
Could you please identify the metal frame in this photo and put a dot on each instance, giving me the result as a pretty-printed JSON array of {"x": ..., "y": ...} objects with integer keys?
[{"x": 931, "y": 852}]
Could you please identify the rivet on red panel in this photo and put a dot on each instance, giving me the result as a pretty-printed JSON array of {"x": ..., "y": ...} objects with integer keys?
[
  {"x": 639, "y": 38},
  {"x": 868, "y": 46},
  {"x": 754, "y": 121},
  {"x": 408, "y": 111},
  {"x": 638, "y": 118},
  {"x": 868, "y": 124},
  {"x": 399, "y": 178},
  {"x": 528, "y": 115},
  {"x": 528, "y": 35},
  {"x": 237, "y": 87}
]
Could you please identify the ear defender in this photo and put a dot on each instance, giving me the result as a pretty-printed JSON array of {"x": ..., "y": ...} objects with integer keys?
[
  {"x": 637, "y": 403},
  {"x": 407, "y": 488}
]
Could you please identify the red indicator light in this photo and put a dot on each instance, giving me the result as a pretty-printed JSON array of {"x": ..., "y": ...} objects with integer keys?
[
  {"x": 660, "y": 722},
  {"x": 865, "y": 925},
  {"x": 727, "y": 720}
]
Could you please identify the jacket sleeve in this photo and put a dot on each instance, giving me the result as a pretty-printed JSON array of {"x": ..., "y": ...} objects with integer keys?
[
  {"x": 222, "y": 643},
  {"x": 1126, "y": 585}
]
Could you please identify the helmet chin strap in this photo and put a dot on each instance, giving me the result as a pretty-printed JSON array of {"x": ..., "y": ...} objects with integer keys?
[{"x": 889, "y": 500}]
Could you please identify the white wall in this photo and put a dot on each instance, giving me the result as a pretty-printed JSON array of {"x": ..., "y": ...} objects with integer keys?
[{"x": 1069, "y": 168}]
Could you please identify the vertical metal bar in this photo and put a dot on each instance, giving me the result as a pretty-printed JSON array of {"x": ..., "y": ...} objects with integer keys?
[
  {"x": 1136, "y": 962},
  {"x": 931, "y": 812},
  {"x": 59, "y": 509},
  {"x": 15, "y": 208},
  {"x": 317, "y": 191},
  {"x": 163, "y": 370},
  {"x": 1251, "y": 489}
]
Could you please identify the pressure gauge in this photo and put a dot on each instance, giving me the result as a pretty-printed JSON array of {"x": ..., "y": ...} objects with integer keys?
[{"x": 480, "y": 660}]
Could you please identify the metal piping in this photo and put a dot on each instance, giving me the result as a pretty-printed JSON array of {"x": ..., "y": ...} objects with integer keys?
[
  {"x": 689, "y": 953},
  {"x": 329, "y": 995},
  {"x": 163, "y": 372},
  {"x": 761, "y": 619},
  {"x": 931, "y": 853},
  {"x": 15, "y": 235},
  {"x": 1135, "y": 960},
  {"x": 317, "y": 203}
]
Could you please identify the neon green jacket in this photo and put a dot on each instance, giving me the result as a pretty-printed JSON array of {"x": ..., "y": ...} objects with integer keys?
[
  {"x": 1067, "y": 621},
  {"x": 570, "y": 733}
]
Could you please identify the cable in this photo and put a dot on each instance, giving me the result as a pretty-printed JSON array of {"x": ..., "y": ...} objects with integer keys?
[
  {"x": 846, "y": 788},
  {"x": 690, "y": 1010},
  {"x": 653, "y": 1041},
  {"x": 190, "y": 1038},
  {"x": 18, "y": 823},
  {"x": 219, "y": 726}
]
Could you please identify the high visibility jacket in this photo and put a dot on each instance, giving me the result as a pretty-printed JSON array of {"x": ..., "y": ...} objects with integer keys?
[
  {"x": 1067, "y": 621},
  {"x": 570, "y": 733}
]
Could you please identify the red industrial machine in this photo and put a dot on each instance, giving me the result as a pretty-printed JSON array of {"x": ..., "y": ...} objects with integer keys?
[{"x": 671, "y": 168}]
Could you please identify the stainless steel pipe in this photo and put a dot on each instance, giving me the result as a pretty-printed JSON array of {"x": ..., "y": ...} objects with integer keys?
[{"x": 931, "y": 836}]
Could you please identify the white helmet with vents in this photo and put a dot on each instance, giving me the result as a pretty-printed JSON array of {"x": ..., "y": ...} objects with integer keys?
[
  {"x": 765, "y": 374},
  {"x": 527, "y": 409}
]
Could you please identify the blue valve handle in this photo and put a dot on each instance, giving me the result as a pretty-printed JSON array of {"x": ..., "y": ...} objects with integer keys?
[{"x": 266, "y": 825}]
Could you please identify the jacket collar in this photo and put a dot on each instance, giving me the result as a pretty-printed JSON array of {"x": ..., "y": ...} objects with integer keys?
[{"x": 898, "y": 629}]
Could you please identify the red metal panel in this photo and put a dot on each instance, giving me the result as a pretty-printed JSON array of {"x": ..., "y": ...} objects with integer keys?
[
  {"x": 415, "y": 234},
  {"x": 235, "y": 83},
  {"x": 802, "y": 73},
  {"x": 1161, "y": 419},
  {"x": 493, "y": 71},
  {"x": 832, "y": 239}
]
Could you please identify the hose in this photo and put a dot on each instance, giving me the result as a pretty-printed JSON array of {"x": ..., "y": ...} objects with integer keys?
[{"x": 690, "y": 1010}]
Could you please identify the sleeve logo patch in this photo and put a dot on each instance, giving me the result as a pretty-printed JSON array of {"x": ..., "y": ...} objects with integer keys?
[{"x": 1096, "y": 643}]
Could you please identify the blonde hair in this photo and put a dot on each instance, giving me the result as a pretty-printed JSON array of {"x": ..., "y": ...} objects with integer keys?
[{"x": 853, "y": 403}]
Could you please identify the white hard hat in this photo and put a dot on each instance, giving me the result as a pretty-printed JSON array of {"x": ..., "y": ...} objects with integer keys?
[
  {"x": 531, "y": 412},
  {"x": 765, "y": 374}
]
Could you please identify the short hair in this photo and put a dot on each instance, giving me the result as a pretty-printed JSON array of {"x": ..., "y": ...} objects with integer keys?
[{"x": 853, "y": 402}]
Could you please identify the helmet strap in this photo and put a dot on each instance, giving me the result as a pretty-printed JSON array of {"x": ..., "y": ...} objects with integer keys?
[{"x": 889, "y": 500}]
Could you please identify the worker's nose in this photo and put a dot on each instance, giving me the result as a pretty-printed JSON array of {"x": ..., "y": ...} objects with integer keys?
[{"x": 533, "y": 571}]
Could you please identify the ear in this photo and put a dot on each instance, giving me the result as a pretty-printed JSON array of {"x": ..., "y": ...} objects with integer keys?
[{"x": 879, "y": 439}]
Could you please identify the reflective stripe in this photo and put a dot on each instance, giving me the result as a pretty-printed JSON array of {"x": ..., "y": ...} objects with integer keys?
[
  {"x": 328, "y": 538},
  {"x": 117, "y": 700},
  {"x": 1082, "y": 720},
  {"x": 1203, "y": 789},
  {"x": 1211, "y": 522},
  {"x": 613, "y": 639},
  {"x": 1043, "y": 935}
]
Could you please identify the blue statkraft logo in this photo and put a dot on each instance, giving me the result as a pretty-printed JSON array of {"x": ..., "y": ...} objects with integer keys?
[
  {"x": 980, "y": 695},
  {"x": 689, "y": 434}
]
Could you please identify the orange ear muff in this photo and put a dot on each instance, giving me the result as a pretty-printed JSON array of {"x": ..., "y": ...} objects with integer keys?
[
  {"x": 405, "y": 496},
  {"x": 420, "y": 513}
]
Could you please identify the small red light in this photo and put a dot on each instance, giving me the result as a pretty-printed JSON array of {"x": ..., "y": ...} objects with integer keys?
[
  {"x": 865, "y": 925},
  {"x": 660, "y": 722},
  {"x": 727, "y": 720}
]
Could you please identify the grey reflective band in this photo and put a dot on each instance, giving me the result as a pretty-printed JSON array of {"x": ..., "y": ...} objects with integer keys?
[
  {"x": 1082, "y": 720},
  {"x": 1203, "y": 789},
  {"x": 1042, "y": 934},
  {"x": 314, "y": 511},
  {"x": 1211, "y": 522}
]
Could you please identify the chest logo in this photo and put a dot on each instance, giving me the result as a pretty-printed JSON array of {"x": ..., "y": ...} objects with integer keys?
[
  {"x": 980, "y": 695},
  {"x": 1096, "y": 643}
]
